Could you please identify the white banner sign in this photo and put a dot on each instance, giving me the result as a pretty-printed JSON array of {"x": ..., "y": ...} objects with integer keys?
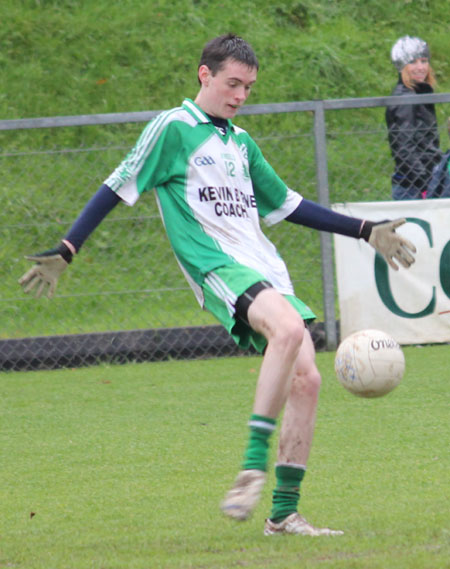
[{"x": 413, "y": 305}]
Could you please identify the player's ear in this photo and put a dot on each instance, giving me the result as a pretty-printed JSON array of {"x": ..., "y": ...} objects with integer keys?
[{"x": 204, "y": 74}]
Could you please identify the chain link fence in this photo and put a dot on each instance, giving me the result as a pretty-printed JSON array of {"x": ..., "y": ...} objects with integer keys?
[{"x": 124, "y": 297}]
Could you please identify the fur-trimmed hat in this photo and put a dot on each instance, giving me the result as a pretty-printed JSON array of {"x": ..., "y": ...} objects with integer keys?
[{"x": 407, "y": 49}]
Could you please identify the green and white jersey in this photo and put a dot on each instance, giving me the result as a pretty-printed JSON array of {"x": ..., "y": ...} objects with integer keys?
[{"x": 211, "y": 190}]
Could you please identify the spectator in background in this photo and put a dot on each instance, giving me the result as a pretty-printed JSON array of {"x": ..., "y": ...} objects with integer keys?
[
  {"x": 413, "y": 132},
  {"x": 439, "y": 186}
]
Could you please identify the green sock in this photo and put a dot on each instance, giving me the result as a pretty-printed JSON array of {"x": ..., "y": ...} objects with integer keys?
[
  {"x": 287, "y": 491},
  {"x": 258, "y": 443}
]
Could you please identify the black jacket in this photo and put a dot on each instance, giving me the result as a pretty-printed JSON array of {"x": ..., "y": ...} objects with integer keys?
[{"x": 413, "y": 138}]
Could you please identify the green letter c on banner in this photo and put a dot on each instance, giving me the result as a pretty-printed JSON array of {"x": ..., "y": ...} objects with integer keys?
[
  {"x": 383, "y": 286},
  {"x": 444, "y": 271}
]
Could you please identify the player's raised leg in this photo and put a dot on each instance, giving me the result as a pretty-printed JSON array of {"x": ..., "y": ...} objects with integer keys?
[
  {"x": 296, "y": 437},
  {"x": 273, "y": 316}
]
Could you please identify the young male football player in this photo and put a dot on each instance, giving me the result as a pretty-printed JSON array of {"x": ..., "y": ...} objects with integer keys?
[{"x": 213, "y": 185}]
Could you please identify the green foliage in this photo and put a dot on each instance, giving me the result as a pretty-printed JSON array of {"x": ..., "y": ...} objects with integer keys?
[
  {"x": 67, "y": 58},
  {"x": 125, "y": 466}
]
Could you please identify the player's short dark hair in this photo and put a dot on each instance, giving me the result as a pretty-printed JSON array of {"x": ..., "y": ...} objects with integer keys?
[{"x": 227, "y": 46}]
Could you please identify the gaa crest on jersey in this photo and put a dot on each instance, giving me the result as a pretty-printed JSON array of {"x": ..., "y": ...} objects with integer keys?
[{"x": 204, "y": 161}]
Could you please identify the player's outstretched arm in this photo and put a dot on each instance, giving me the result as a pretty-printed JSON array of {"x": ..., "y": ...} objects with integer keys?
[
  {"x": 43, "y": 276},
  {"x": 390, "y": 244},
  {"x": 381, "y": 235}
]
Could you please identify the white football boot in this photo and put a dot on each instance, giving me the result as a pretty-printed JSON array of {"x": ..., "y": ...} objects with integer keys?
[
  {"x": 243, "y": 497},
  {"x": 295, "y": 524}
]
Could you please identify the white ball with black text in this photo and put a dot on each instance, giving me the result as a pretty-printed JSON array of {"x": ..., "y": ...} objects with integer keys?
[{"x": 369, "y": 363}]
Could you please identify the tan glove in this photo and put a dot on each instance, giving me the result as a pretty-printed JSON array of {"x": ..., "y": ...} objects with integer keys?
[
  {"x": 384, "y": 239},
  {"x": 46, "y": 272}
]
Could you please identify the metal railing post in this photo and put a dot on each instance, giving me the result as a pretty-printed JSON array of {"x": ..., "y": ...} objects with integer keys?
[{"x": 326, "y": 245}]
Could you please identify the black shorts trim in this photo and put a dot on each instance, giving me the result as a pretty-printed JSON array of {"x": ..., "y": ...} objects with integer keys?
[{"x": 243, "y": 302}]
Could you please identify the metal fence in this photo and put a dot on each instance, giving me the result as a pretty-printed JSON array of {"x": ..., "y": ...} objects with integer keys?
[{"x": 124, "y": 298}]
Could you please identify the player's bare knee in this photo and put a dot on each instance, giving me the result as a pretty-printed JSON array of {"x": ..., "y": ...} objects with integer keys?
[
  {"x": 314, "y": 380},
  {"x": 307, "y": 381},
  {"x": 288, "y": 336}
]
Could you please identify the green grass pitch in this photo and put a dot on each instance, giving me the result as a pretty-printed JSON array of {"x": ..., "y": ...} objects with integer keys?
[{"x": 116, "y": 467}]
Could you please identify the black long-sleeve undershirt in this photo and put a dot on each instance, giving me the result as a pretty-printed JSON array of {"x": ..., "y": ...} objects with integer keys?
[
  {"x": 316, "y": 216},
  {"x": 97, "y": 208}
]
